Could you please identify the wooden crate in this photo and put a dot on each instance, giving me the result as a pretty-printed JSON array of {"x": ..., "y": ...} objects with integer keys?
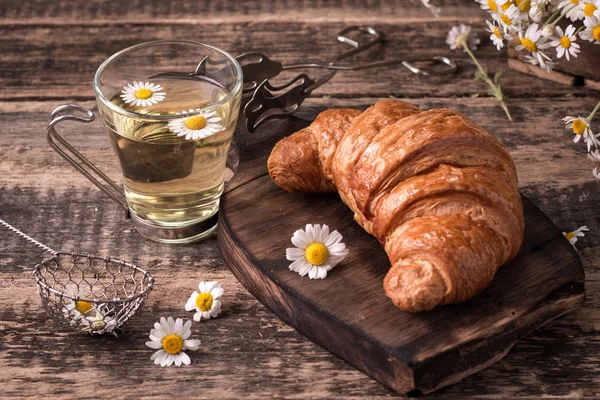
[{"x": 583, "y": 70}]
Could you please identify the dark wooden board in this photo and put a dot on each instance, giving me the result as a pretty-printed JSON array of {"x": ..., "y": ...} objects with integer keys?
[{"x": 348, "y": 313}]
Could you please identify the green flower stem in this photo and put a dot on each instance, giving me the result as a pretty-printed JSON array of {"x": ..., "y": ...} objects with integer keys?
[
  {"x": 557, "y": 12},
  {"x": 593, "y": 114},
  {"x": 494, "y": 89}
]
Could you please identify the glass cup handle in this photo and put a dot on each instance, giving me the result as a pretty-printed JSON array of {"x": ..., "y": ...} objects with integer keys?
[{"x": 69, "y": 112}]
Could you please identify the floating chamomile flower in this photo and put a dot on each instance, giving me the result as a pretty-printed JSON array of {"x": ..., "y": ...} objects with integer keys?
[
  {"x": 142, "y": 94},
  {"x": 205, "y": 301},
  {"x": 581, "y": 128},
  {"x": 592, "y": 30},
  {"x": 171, "y": 338},
  {"x": 496, "y": 35},
  {"x": 577, "y": 233},
  {"x": 317, "y": 251},
  {"x": 196, "y": 127},
  {"x": 564, "y": 42}
]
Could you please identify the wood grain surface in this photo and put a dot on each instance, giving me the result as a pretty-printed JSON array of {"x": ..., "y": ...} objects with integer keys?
[{"x": 50, "y": 50}]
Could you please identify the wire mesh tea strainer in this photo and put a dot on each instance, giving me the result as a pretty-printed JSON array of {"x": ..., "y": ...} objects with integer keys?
[{"x": 89, "y": 294}]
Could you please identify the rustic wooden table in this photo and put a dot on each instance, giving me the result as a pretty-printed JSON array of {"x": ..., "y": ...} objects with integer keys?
[{"x": 49, "y": 53}]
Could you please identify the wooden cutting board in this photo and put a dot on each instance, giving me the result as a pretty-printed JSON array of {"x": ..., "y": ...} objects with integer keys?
[{"x": 348, "y": 313}]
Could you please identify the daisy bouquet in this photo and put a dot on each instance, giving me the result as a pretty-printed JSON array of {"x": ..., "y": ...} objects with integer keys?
[{"x": 532, "y": 27}]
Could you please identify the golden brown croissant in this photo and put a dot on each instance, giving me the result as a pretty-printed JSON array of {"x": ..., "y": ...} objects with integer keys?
[{"x": 437, "y": 191}]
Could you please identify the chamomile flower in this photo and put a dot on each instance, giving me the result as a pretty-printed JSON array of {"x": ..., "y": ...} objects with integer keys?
[
  {"x": 592, "y": 30},
  {"x": 548, "y": 31},
  {"x": 590, "y": 8},
  {"x": 577, "y": 233},
  {"x": 99, "y": 323},
  {"x": 510, "y": 20},
  {"x": 564, "y": 42},
  {"x": 571, "y": 9},
  {"x": 171, "y": 338},
  {"x": 435, "y": 11},
  {"x": 596, "y": 173},
  {"x": 196, "y": 127},
  {"x": 548, "y": 64},
  {"x": 143, "y": 94},
  {"x": 75, "y": 312},
  {"x": 594, "y": 155},
  {"x": 205, "y": 301},
  {"x": 533, "y": 41},
  {"x": 494, "y": 5},
  {"x": 460, "y": 34},
  {"x": 536, "y": 12},
  {"x": 496, "y": 35},
  {"x": 317, "y": 251},
  {"x": 581, "y": 128}
]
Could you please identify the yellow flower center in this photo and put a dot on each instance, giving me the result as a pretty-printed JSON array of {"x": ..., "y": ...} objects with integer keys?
[
  {"x": 316, "y": 253},
  {"x": 492, "y": 5},
  {"x": 575, "y": 1},
  {"x": 565, "y": 42},
  {"x": 596, "y": 33},
  {"x": 195, "y": 123},
  {"x": 204, "y": 301},
  {"x": 497, "y": 33},
  {"x": 589, "y": 9},
  {"x": 505, "y": 19},
  {"x": 83, "y": 306},
  {"x": 529, "y": 45},
  {"x": 579, "y": 127},
  {"x": 506, "y": 6},
  {"x": 143, "y": 94},
  {"x": 172, "y": 343},
  {"x": 570, "y": 235},
  {"x": 524, "y": 5}
]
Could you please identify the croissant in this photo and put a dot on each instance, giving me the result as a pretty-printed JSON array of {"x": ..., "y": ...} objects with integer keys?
[{"x": 437, "y": 191}]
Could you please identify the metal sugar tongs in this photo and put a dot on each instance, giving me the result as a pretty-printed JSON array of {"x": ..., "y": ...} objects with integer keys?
[
  {"x": 258, "y": 70},
  {"x": 265, "y": 104},
  {"x": 89, "y": 294}
]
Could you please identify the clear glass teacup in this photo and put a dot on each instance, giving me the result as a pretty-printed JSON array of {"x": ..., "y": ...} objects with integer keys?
[{"x": 170, "y": 108}]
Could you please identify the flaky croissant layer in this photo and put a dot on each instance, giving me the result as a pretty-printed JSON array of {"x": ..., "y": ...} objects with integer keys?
[{"x": 437, "y": 191}]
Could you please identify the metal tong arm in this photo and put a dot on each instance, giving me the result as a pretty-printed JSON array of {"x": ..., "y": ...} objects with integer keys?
[
  {"x": 75, "y": 158},
  {"x": 383, "y": 63},
  {"x": 450, "y": 67},
  {"x": 258, "y": 67}
]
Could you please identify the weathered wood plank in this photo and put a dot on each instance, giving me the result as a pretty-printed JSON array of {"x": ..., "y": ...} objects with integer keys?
[
  {"x": 55, "y": 68},
  {"x": 96, "y": 12},
  {"x": 50, "y": 50}
]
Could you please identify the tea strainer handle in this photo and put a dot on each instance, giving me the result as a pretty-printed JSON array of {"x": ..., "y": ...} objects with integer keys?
[{"x": 73, "y": 112}]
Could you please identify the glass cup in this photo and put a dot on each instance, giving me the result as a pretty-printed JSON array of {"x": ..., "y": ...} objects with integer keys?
[{"x": 170, "y": 108}]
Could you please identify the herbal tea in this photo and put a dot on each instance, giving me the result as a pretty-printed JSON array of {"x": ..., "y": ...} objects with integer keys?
[{"x": 173, "y": 170}]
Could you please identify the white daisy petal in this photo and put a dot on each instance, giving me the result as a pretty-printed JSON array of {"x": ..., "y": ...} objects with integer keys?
[
  {"x": 293, "y": 253},
  {"x": 217, "y": 292},
  {"x": 185, "y": 359},
  {"x": 301, "y": 239}
]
